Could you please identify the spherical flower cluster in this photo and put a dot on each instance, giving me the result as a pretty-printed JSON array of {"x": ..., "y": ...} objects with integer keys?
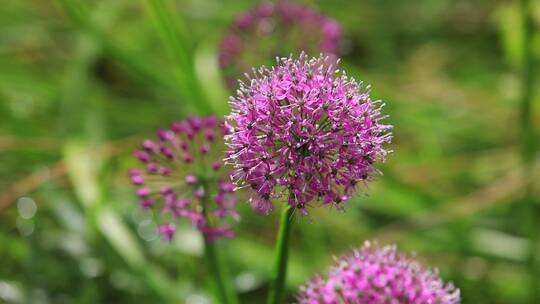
[
  {"x": 268, "y": 30},
  {"x": 379, "y": 275},
  {"x": 302, "y": 131},
  {"x": 184, "y": 177}
]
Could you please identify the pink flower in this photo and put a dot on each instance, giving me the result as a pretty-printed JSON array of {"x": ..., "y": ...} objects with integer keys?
[
  {"x": 168, "y": 231},
  {"x": 301, "y": 132},
  {"x": 377, "y": 275},
  {"x": 183, "y": 176},
  {"x": 268, "y": 30}
]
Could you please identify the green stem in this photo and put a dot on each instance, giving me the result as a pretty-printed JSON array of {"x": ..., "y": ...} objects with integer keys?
[
  {"x": 279, "y": 275},
  {"x": 213, "y": 260},
  {"x": 223, "y": 287},
  {"x": 527, "y": 147},
  {"x": 527, "y": 78}
]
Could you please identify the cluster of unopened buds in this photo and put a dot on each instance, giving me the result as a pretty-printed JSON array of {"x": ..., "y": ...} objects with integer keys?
[{"x": 183, "y": 176}]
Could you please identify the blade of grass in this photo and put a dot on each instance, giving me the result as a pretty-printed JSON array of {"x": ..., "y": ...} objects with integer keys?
[
  {"x": 177, "y": 45},
  {"x": 173, "y": 34},
  {"x": 36, "y": 179},
  {"x": 80, "y": 16},
  {"x": 207, "y": 72},
  {"x": 500, "y": 191},
  {"x": 85, "y": 166},
  {"x": 530, "y": 207},
  {"x": 104, "y": 221}
]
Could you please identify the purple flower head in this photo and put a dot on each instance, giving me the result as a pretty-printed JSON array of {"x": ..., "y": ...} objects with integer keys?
[
  {"x": 302, "y": 132},
  {"x": 377, "y": 275},
  {"x": 184, "y": 177},
  {"x": 268, "y": 30}
]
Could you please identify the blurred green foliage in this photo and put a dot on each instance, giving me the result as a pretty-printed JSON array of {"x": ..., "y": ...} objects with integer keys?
[{"x": 81, "y": 82}]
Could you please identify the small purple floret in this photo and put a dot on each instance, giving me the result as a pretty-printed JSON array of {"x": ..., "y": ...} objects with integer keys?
[
  {"x": 168, "y": 231},
  {"x": 191, "y": 179}
]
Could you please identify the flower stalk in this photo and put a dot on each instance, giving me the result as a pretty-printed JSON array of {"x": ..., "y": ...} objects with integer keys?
[
  {"x": 279, "y": 274},
  {"x": 216, "y": 267},
  {"x": 530, "y": 207}
]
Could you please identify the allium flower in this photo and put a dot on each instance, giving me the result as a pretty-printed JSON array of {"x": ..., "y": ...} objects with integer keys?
[
  {"x": 275, "y": 29},
  {"x": 184, "y": 177},
  {"x": 303, "y": 132},
  {"x": 379, "y": 275}
]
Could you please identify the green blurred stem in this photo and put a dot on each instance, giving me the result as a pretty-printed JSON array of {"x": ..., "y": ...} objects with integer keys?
[
  {"x": 527, "y": 146},
  {"x": 279, "y": 275},
  {"x": 223, "y": 286},
  {"x": 215, "y": 267},
  {"x": 527, "y": 77},
  {"x": 173, "y": 35}
]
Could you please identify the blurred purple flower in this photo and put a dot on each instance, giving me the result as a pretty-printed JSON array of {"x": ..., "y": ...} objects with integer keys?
[
  {"x": 377, "y": 275},
  {"x": 182, "y": 172},
  {"x": 268, "y": 30},
  {"x": 301, "y": 132}
]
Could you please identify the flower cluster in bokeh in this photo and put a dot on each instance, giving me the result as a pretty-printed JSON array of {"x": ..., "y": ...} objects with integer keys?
[
  {"x": 184, "y": 177},
  {"x": 268, "y": 30}
]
